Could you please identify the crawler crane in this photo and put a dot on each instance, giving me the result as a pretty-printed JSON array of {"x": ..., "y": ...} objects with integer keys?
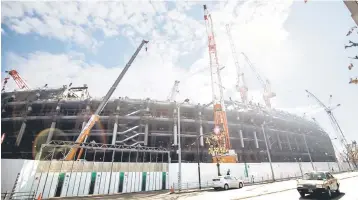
[{"x": 95, "y": 117}]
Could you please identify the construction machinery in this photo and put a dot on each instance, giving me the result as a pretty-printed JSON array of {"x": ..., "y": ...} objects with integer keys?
[
  {"x": 240, "y": 83},
  {"x": 333, "y": 120},
  {"x": 268, "y": 94},
  {"x": 223, "y": 152},
  {"x": 85, "y": 132},
  {"x": 174, "y": 91},
  {"x": 17, "y": 78}
]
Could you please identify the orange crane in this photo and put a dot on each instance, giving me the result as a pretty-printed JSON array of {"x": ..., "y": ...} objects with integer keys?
[
  {"x": 17, "y": 78},
  {"x": 85, "y": 132},
  {"x": 221, "y": 130},
  {"x": 268, "y": 94}
]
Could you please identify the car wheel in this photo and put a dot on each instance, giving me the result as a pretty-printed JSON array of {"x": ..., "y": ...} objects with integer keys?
[
  {"x": 338, "y": 191},
  {"x": 302, "y": 194},
  {"x": 226, "y": 187},
  {"x": 328, "y": 193},
  {"x": 241, "y": 185}
]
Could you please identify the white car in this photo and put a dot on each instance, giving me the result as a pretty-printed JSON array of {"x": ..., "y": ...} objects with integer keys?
[
  {"x": 318, "y": 183},
  {"x": 227, "y": 182}
]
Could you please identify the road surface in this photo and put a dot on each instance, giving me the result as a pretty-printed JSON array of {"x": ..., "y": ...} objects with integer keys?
[
  {"x": 285, "y": 190},
  {"x": 349, "y": 191},
  {"x": 279, "y": 190}
]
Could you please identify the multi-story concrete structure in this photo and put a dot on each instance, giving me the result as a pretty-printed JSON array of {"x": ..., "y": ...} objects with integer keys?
[{"x": 30, "y": 118}]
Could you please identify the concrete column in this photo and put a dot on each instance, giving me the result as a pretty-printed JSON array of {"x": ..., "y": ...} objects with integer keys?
[
  {"x": 288, "y": 142},
  {"x": 201, "y": 133},
  {"x": 279, "y": 141},
  {"x": 242, "y": 139},
  {"x": 175, "y": 131},
  {"x": 50, "y": 133},
  {"x": 175, "y": 127},
  {"x": 115, "y": 128},
  {"x": 201, "y": 130},
  {"x": 298, "y": 147},
  {"x": 21, "y": 133},
  {"x": 146, "y": 131},
  {"x": 256, "y": 142}
]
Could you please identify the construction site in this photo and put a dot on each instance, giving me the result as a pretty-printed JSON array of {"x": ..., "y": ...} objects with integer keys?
[{"x": 61, "y": 133}]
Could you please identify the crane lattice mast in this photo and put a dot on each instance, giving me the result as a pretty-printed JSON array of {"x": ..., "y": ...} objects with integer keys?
[
  {"x": 85, "y": 132},
  {"x": 174, "y": 91},
  {"x": 220, "y": 119},
  {"x": 17, "y": 78},
  {"x": 268, "y": 94},
  {"x": 241, "y": 88},
  {"x": 332, "y": 118}
]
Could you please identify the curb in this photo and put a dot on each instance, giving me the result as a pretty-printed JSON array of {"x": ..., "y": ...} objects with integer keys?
[{"x": 251, "y": 196}]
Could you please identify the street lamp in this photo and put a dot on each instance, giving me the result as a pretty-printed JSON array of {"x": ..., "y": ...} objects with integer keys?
[
  {"x": 179, "y": 144},
  {"x": 267, "y": 149},
  {"x": 299, "y": 164},
  {"x": 198, "y": 155},
  {"x": 308, "y": 151}
]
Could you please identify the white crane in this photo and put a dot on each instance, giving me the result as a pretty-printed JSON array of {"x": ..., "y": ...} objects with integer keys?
[
  {"x": 174, "y": 91},
  {"x": 268, "y": 94},
  {"x": 240, "y": 82}
]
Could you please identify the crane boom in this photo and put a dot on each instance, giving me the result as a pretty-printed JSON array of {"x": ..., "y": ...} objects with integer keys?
[
  {"x": 220, "y": 120},
  {"x": 242, "y": 88},
  {"x": 85, "y": 132},
  {"x": 174, "y": 91},
  {"x": 268, "y": 94},
  {"x": 332, "y": 118},
  {"x": 17, "y": 78}
]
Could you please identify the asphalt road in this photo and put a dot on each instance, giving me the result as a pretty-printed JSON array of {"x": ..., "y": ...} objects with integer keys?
[
  {"x": 285, "y": 190},
  {"x": 349, "y": 191}
]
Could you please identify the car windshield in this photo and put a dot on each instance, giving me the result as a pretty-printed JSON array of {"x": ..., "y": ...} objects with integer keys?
[{"x": 314, "y": 176}]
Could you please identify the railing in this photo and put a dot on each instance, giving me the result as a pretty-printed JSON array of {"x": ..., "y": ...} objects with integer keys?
[{"x": 18, "y": 195}]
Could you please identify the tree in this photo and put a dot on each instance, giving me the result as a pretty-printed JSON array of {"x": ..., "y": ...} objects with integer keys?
[
  {"x": 216, "y": 148},
  {"x": 351, "y": 153}
]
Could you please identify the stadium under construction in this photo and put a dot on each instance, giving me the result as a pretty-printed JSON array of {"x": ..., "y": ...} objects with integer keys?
[{"x": 32, "y": 117}]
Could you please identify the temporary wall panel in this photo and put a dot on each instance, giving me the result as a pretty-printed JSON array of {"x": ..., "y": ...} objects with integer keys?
[{"x": 61, "y": 179}]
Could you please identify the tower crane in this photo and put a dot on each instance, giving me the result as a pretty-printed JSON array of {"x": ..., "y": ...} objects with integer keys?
[
  {"x": 240, "y": 87},
  {"x": 221, "y": 130},
  {"x": 333, "y": 120},
  {"x": 174, "y": 91},
  {"x": 17, "y": 78},
  {"x": 85, "y": 132},
  {"x": 268, "y": 94}
]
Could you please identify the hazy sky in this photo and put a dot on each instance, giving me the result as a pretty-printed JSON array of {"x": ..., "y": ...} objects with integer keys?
[{"x": 297, "y": 46}]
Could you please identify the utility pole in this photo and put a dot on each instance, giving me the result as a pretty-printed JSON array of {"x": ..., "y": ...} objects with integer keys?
[
  {"x": 179, "y": 150},
  {"x": 179, "y": 144},
  {"x": 268, "y": 151},
  {"x": 308, "y": 151}
]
